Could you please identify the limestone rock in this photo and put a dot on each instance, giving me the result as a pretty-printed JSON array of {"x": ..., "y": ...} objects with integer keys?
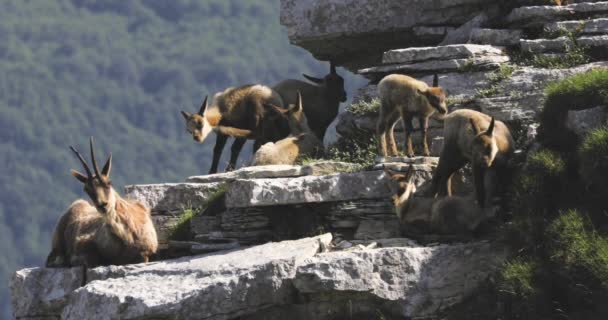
[
  {"x": 42, "y": 292},
  {"x": 356, "y": 32},
  {"x": 171, "y": 197},
  {"x": 539, "y": 15},
  {"x": 496, "y": 37},
  {"x": 584, "y": 27},
  {"x": 546, "y": 45},
  {"x": 445, "y": 52},
  {"x": 581, "y": 121},
  {"x": 463, "y": 33},
  {"x": 217, "y": 286},
  {"x": 422, "y": 281}
]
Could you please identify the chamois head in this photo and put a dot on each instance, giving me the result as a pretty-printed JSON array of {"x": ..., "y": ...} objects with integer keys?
[
  {"x": 333, "y": 82},
  {"x": 295, "y": 117},
  {"x": 198, "y": 124},
  {"x": 436, "y": 96},
  {"x": 484, "y": 148},
  {"x": 98, "y": 186},
  {"x": 406, "y": 187}
]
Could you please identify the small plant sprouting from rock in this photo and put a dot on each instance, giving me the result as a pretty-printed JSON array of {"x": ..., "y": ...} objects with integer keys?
[
  {"x": 361, "y": 150},
  {"x": 503, "y": 72},
  {"x": 574, "y": 54},
  {"x": 181, "y": 230},
  {"x": 517, "y": 277},
  {"x": 363, "y": 108}
]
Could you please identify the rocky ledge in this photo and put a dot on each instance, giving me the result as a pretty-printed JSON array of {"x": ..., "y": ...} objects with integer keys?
[{"x": 301, "y": 279}]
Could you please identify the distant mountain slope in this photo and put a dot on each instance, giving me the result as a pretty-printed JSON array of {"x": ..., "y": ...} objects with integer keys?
[{"x": 120, "y": 71}]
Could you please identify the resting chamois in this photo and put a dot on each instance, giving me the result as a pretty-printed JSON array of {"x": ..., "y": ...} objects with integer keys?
[
  {"x": 321, "y": 99},
  {"x": 404, "y": 97},
  {"x": 471, "y": 136},
  {"x": 302, "y": 142},
  {"x": 237, "y": 112},
  {"x": 111, "y": 230},
  {"x": 447, "y": 215}
]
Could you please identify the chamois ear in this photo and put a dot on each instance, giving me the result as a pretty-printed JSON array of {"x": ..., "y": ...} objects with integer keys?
[
  {"x": 490, "y": 131},
  {"x": 474, "y": 126},
  {"x": 312, "y": 79},
  {"x": 78, "y": 176},
  {"x": 186, "y": 115},
  {"x": 107, "y": 167},
  {"x": 332, "y": 67},
  {"x": 203, "y": 106},
  {"x": 435, "y": 80}
]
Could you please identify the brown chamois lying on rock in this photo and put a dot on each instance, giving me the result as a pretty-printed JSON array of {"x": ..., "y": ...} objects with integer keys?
[
  {"x": 236, "y": 112},
  {"x": 447, "y": 215},
  {"x": 471, "y": 136},
  {"x": 321, "y": 99},
  {"x": 404, "y": 97},
  {"x": 110, "y": 231},
  {"x": 302, "y": 142}
]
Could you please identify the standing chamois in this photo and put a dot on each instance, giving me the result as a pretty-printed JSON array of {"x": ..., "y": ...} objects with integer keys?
[
  {"x": 302, "y": 142},
  {"x": 321, "y": 99},
  {"x": 471, "y": 136},
  {"x": 404, "y": 97},
  {"x": 446, "y": 215},
  {"x": 238, "y": 112},
  {"x": 111, "y": 230}
]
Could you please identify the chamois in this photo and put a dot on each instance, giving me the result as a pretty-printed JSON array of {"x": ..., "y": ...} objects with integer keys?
[
  {"x": 321, "y": 99},
  {"x": 237, "y": 112},
  {"x": 404, "y": 97},
  {"x": 440, "y": 215},
  {"x": 471, "y": 136},
  {"x": 300, "y": 143},
  {"x": 111, "y": 230}
]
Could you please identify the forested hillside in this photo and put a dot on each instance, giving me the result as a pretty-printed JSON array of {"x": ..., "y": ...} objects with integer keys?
[{"x": 119, "y": 71}]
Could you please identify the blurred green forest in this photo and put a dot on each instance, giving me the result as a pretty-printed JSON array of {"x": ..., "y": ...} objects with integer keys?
[{"x": 119, "y": 70}]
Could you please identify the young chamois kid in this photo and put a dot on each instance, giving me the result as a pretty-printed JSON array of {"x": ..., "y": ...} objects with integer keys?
[
  {"x": 321, "y": 98},
  {"x": 471, "y": 136},
  {"x": 302, "y": 142},
  {"x": 237, "y": 112},
  {"x": 404, "y": 97},
  {"x": 447, "y": 215},
  {"x": 109, "y": 231}
]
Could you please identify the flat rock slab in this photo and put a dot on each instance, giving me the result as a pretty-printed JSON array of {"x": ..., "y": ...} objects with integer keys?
[
  {"x": 560, "y": 44},
  {"x": 496, "y": 37},
  {"x": 41, "y": 292},
  {"x": 585, "y": 27},
  {"x": 422, "y": 281},
  {"x": 539, "y": 15},
  {"x": 310, "y": 189},
  {"x": 173, "y": 197},
  {"x": 434, "y": 66},
  {"x": 449, "y": 52}
]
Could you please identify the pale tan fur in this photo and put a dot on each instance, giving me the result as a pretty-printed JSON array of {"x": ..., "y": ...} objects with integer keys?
[
  {"x": 321, "y": 98},
  {"x": 467, "y": 139},
  {"x": 447, "y": 215},
  {"x": 302, "y": 142},
  {"x": 404, "y": 97},
  {"x": 112, "y": 230}
]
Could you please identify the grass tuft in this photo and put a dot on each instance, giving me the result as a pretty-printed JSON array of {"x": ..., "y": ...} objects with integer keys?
[
  {"x": 517, "y": 277},
  {"x": 363, "y": 108}
]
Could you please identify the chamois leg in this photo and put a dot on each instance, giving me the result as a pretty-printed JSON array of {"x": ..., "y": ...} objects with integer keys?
[
  {"x": 424, "y": 126},
  {"x": 478, "y": 181},
  {"x": 449, "y": 163},
  {"x": 392, "y": 145},
  {"x": 409, "y": 129},
  {"x": 381, "y": 128},
  {"x": 235, "y": 150},
  {"x": 220, "y": 142}
]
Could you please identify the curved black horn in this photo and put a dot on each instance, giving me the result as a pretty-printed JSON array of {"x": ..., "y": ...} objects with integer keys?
[
  {"x": 95, "y": 167},
  {"x": 299, "y": 106},
  {"x": 490, "y": 130},
  {"x": 203, "y": 106},
  {"x": 312, "y": 79},
  {"x": 435, "y": 80},
  {"x": 84, "y": 162}
]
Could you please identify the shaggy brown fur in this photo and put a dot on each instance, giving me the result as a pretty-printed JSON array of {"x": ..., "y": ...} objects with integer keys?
[
  {"x": 448, "y": 215},
  {"x": 111, "y": 230},
  {"x": 302, "y": 142},
  {"x": 404, "y": 97},
  {"x": 237, "y": 112},
  {"x": 321, "y": 99},
  {"x": 471, "y": 136}
]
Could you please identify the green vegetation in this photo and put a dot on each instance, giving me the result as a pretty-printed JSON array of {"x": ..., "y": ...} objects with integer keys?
[
  {"x": 503, "y": 72},
  {"x": 517, "y": 277},
  {"x": 361, "y": 150},
  {"x": 574, "y": 54},
  {"x": 182, "y": 231},
  {"x": 363, "y": 108},
  {"x": 120, "y": 71}
]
